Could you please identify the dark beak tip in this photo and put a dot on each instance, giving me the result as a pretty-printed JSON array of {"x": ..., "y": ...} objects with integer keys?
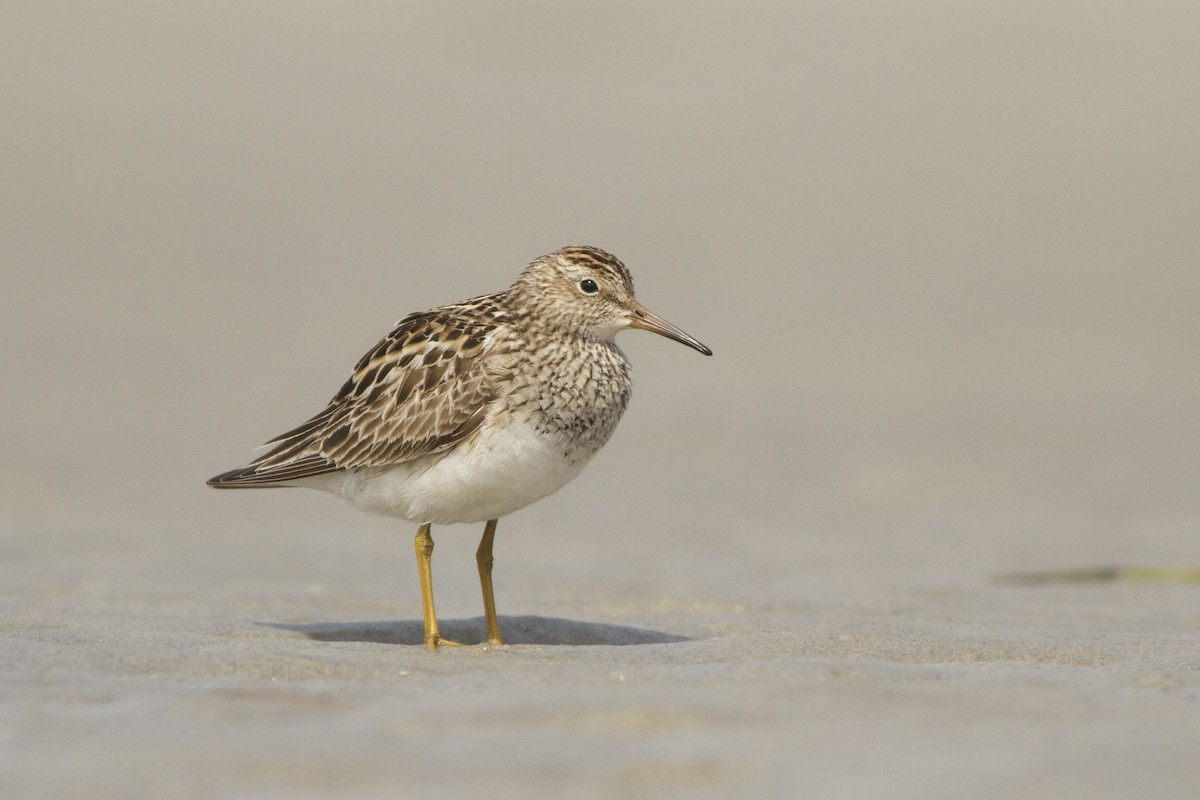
[
  {"x": 699, "y": 347},
  {"x": 644, "y": 320}
]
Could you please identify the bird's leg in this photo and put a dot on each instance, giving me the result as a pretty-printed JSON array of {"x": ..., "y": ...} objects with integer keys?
[
  {"x": 483, "y": 557},
  {"x": 424, "y": 547}
]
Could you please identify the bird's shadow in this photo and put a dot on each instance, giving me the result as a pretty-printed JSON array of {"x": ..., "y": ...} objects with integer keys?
[{"x": 514, "y": 630}]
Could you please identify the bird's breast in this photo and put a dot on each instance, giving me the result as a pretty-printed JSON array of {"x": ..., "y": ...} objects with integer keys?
[{"x": 577, "y": 396}]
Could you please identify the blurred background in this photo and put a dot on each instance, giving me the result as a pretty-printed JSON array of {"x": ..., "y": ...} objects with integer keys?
[{"x": 945, "y": 254}]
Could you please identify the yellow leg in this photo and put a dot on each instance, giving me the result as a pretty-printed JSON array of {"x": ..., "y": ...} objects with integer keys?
[
  {"x": 483, "y": 557},
  {"x": 424, "y": 547}
]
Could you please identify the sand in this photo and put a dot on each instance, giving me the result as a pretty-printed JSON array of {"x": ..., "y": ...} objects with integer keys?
[{"x": 945, "y": 257}]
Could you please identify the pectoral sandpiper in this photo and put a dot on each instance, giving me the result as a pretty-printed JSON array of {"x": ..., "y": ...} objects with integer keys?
[{"x": 471, "y": 411}]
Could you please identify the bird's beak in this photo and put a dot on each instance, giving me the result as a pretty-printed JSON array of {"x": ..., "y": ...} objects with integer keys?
[{"x": 641, "y": 318}]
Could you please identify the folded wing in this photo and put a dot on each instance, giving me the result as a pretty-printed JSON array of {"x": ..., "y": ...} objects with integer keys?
[{"x": 420, "y": 391}]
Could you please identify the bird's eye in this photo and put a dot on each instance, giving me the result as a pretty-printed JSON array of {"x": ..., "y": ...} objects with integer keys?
[{"x": 588, "y": 286}]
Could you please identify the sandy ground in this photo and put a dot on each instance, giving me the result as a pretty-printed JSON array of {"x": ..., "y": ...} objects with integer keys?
[{"x": 945, "y": 254}]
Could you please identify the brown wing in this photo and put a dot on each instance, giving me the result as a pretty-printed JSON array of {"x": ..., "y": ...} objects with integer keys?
[{"x": 419, "y": 391}]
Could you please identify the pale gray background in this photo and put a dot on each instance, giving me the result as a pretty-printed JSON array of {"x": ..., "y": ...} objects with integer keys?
[{"x": 946, "y": 254}]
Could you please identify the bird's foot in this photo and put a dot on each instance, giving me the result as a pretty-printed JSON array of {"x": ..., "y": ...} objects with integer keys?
[{"x": 434, "y": 642}]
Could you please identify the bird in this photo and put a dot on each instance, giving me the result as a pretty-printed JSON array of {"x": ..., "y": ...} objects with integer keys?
[{"x": 468, "y": 412}]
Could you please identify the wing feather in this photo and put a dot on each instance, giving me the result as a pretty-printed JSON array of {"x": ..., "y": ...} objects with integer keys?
[{"x": 422, "y": 389}]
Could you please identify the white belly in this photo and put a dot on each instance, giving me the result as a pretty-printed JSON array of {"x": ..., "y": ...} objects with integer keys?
[{"x": 496, "y": 472}]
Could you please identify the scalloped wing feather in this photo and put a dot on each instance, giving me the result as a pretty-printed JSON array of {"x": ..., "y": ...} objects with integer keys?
[{"x": 420, "y": 391}]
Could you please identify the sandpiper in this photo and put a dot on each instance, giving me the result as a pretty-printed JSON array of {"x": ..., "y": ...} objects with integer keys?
[{"x": 471, "y": 411}]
